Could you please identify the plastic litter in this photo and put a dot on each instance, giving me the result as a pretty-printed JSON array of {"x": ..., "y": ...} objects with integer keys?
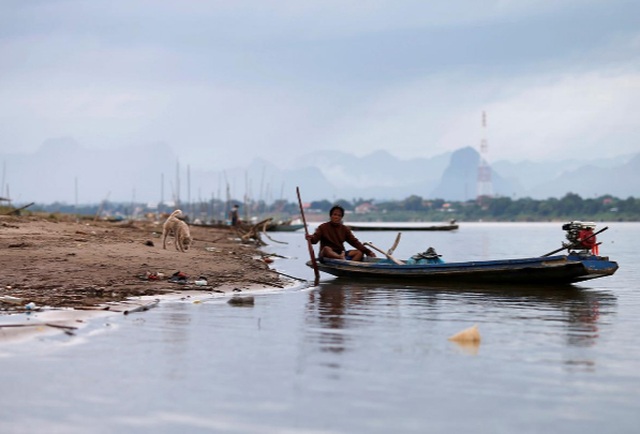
[
  {"x": 10, "y": 299},
  {"x": 178, "y": 277},
  {"x": 202, "y": 281}
]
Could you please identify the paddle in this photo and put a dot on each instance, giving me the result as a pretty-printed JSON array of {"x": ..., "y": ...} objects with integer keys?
[
  {"x": 397, "y": 261},
  {"x": 395, "y": 244},
  {"x": 306, "y": 232},
  {"x": 574, "y": 245}
]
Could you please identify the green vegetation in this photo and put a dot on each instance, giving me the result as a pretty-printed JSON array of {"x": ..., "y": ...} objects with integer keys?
[
  {"x": 570, "y": 207},
  {"x": 412, "y": 209}
]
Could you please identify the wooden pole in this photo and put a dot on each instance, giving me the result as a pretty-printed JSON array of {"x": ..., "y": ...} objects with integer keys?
[
  {"x": 17, "y": 210},
  {"x": 306, "y": 232},
  {"x": 396, "y": 261},
  {"x": 395, "y": 244}
]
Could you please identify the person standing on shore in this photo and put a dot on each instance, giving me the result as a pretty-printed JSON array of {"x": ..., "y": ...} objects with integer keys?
[
  {"x": 333, "y": 234},
  {"x": 233, "y": 216}
]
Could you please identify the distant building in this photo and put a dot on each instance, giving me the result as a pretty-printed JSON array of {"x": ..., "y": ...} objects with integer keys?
[
  {"x": 365, "y": 208},
  {"x": 446, "y": 207}
]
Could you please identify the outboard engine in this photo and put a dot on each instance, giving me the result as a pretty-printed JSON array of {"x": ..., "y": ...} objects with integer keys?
[{"x": 581, "y": 236}]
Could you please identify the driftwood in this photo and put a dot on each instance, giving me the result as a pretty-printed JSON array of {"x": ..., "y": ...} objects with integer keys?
[
  {"x": 247, "y": 232},
  {"x": 17, "y": 245},
  {"x": 17, "y": 210},
  {"x": 142, "y": 308},
  {"x": 271, "y": 239},
  {"x": 287, "y": 275},
  {"x": 47, "y": 324}
]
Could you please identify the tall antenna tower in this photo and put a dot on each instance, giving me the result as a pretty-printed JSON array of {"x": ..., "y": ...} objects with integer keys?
[
  {"x": 485, "y": 188},
  {"x": 176, "y": 199}
]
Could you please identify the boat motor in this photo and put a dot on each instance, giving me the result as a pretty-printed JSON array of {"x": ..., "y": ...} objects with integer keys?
[{"x": 580, "y": 235}]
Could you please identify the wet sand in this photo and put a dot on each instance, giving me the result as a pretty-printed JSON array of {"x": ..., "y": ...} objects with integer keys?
[{"x": 57, "y": 262}]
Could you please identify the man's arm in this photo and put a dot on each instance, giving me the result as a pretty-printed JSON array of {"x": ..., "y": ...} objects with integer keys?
[
  {"x": 351, "y": 239},
  {"x": 316, "y": 236}
]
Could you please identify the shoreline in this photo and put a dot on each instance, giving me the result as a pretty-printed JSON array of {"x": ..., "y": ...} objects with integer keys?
[
  {"x": 66, "y": 272},
  {"x": 21, "y": 327}
]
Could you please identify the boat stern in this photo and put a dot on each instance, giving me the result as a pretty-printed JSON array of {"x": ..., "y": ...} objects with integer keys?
[{"x": 595, "y": 266}]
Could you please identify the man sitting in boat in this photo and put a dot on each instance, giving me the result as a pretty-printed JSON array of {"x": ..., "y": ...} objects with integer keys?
[{"x": 333, "y": 234}]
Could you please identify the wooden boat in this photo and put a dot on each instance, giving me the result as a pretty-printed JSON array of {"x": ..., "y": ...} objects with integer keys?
[
  {"x": 560, "y": 269},
  {"x": 403, "y": 227},
  {"x": 284, "y": 227}
]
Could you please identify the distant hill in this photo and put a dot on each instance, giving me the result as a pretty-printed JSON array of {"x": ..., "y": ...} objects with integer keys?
[
  {"x": 62, "y": 170},
  {"x": 592, "y": 181},
  {"x": 459, "y": 180},
  {"x": 532, "y": 176},
  {"x": 378, "y": 175}
]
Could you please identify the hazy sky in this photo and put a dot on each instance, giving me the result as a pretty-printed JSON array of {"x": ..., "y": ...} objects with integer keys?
[{"x": 223, "y": 80}]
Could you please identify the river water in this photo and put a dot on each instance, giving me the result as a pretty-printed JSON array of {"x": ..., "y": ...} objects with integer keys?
[{"x": 353, "y": 357}]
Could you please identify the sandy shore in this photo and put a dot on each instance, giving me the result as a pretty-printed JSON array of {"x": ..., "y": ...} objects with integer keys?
[{"x": 93, "y": 266}]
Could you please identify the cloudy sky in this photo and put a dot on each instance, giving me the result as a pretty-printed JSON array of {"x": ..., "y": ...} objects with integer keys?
[{"x": 221, "y": 80}]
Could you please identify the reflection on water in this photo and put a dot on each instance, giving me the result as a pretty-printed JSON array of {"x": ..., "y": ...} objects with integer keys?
[
  {"x": 350, "y": 357},
  {"x": 335, "y": 309},
  {"x": 338, "y": 307},
  {"x": 341, "y": 316},
  {"x": 177, "y": 325}
]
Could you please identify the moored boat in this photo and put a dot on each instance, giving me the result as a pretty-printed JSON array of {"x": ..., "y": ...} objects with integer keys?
[
  {"x": 284, "y": 226},
  {"x": 416, "y": 227},
  {"x": 581, "y": 262},
  {"x": 572, "y": 268},
  {"x": 451, "y": 226}
]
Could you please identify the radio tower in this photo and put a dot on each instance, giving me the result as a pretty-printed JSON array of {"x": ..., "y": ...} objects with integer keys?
[{"x": 484, "y": 171}]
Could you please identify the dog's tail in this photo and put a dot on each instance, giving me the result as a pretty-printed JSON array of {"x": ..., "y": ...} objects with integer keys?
[{"x": 176, "y": 213}]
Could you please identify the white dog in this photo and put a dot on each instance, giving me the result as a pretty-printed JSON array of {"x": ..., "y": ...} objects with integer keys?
[{"x": 180, "y": 231}]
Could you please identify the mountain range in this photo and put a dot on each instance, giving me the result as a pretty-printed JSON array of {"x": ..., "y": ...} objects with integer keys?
[{"x": 61, "y": 170}]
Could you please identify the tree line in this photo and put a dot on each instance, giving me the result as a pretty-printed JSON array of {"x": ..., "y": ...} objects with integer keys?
[
  {"x": 413, "y": 208},
  {"x": 569, "y": 207}
]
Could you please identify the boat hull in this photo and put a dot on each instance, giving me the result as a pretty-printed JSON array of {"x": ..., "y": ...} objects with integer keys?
[
  {"x": 561, "y": 269},
  {"x": 284, "y": 228},
  {"x": 403, "y": 228}
]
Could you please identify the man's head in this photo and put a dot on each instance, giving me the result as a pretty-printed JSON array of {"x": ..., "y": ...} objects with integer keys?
[{"x": 336, "y": 213}]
